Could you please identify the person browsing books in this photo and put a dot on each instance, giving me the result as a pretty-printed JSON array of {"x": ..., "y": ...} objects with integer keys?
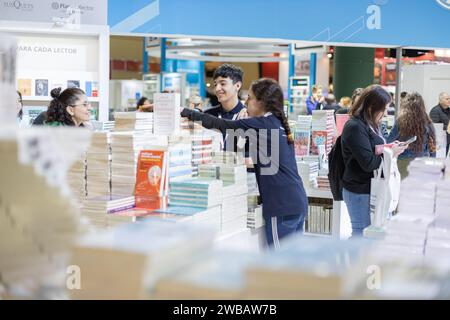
[
  {"x": 283, "y": 196},
  {"x": 362, "y": 148},
  {"x": 68, "y": 108},
  {"x": 227, "y": 83},
  {"x": 413, "y": 120},
  {"x": 144, "y": 105}
]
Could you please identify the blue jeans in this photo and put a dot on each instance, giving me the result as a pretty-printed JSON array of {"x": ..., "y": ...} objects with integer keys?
[
  {"x": 279, "y": 227},
  {"x": 358, "y": 206}
]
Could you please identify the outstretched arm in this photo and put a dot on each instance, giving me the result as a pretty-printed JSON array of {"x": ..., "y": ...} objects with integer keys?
[{"x": 211, "y": 122}]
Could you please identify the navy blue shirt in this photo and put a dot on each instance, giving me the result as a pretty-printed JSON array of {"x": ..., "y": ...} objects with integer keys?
[
  {"x": 282, "y": 193},
  {"x": 219, "y": 111}
]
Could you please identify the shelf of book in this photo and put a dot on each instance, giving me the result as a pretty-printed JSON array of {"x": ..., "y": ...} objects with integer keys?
[{"x": 340, "y": 222}]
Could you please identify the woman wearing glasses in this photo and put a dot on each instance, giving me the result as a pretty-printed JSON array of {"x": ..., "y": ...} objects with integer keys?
[{"x": 68, "y": 108}]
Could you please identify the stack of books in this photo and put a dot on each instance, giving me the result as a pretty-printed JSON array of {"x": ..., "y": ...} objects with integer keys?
[
  {"x": 103, "y": 125},
  {"x": 166, "y": 110},
  {"x": 102, "y": 211},
  {"x": 443, "y": 204},
  {"x": 438, "y": 243},
  {"x": 417, "y": 197},
  {"x": 202, "y": 147},
  {"x": 98, "y": 165},
  {"x": 304, "y": 268},
  {"x": 406, "y": 233},
  {"x": 323, "y": 183},
  {"x": 196, "y": 192},
  {"x": 308, "y": 171},
  {"x": 255, "y": 218},
  {"x": 180, "y": 160},
  {"x": 230, "y": 174},
  {"x": 190, "y": 127},
  {"x": 252, "y": 184},
  {"x": 418, "y": 191},
  {"x": 302, "y": 135},
  {"x": 235, "y": 189},
  {"x": 319, "y": 219},
  {"x": 209, "y": 218},
  {"x": 323, "y": 131},
  {"x": 428, "y": 169},
  {"x": 220, "y": 276},
  {"x": 234, "y": 214},
  {"x": 133, "y": 121},
  {"x": 228, "y": 157},
  {"x": 76, "y": 178},
  {"x": 147, "y": 251},
  {"x": 38, "y": 223},
  {"x": 447, "y": 169},
  {"x": 125, "y": 148},
  {"x": 405, "y": 236}
]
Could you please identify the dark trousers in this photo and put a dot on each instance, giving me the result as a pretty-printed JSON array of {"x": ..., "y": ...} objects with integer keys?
[{"x": 278, "y": 228}]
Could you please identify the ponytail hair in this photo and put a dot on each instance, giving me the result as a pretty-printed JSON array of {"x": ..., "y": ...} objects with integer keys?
[
  {"x": 269, "y": 93},
  {"x": 57, "y": 110}
]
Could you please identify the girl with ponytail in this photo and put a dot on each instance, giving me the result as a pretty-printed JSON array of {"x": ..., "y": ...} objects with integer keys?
[
  {"x": 68, "y": 108},
  {"x": 283, "y": 196}
]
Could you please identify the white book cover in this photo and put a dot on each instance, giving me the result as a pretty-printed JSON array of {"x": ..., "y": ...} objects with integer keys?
[{"x": 166, "y": 113}]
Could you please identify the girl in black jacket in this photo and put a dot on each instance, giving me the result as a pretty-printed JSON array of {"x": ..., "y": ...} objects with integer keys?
[{"x": 362, "y": 148}]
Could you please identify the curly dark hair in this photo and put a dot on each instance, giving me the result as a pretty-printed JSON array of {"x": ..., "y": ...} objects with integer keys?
[
  {"x": 413, "y": 120},
  {"x": 56, "y": 111},
  {"x": 229, "y": 71},
  {"x": 269, "y": 93}
]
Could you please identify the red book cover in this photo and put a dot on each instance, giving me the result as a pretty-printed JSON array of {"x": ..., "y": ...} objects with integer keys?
[
  {"x": 150, "y": 178},
  {"x": 341, "y": 120},
  {"x": 302, "y": 142},
  {"x": 318, "y": 138}
]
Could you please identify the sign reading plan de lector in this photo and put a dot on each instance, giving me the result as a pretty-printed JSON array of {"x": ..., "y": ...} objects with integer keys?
[{"x": 92, "y": 12}]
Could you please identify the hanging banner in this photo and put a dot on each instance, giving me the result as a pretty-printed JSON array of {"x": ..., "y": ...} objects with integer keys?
[{"x": 419, "y": 24}]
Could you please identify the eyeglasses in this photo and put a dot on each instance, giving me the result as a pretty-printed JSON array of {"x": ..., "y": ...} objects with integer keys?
[{"x": 85, "y": 104}]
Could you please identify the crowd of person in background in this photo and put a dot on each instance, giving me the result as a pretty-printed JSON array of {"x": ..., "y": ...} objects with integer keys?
[{"x": 263, "y": 109}]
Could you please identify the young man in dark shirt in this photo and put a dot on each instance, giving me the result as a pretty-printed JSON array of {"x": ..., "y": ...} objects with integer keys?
[{"x": 227, "y": 83}]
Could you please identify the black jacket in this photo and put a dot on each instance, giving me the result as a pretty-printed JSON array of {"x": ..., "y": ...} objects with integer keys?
[
  {"x": 441, "y": 115},
  {"x": 358, "y": 151}
]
